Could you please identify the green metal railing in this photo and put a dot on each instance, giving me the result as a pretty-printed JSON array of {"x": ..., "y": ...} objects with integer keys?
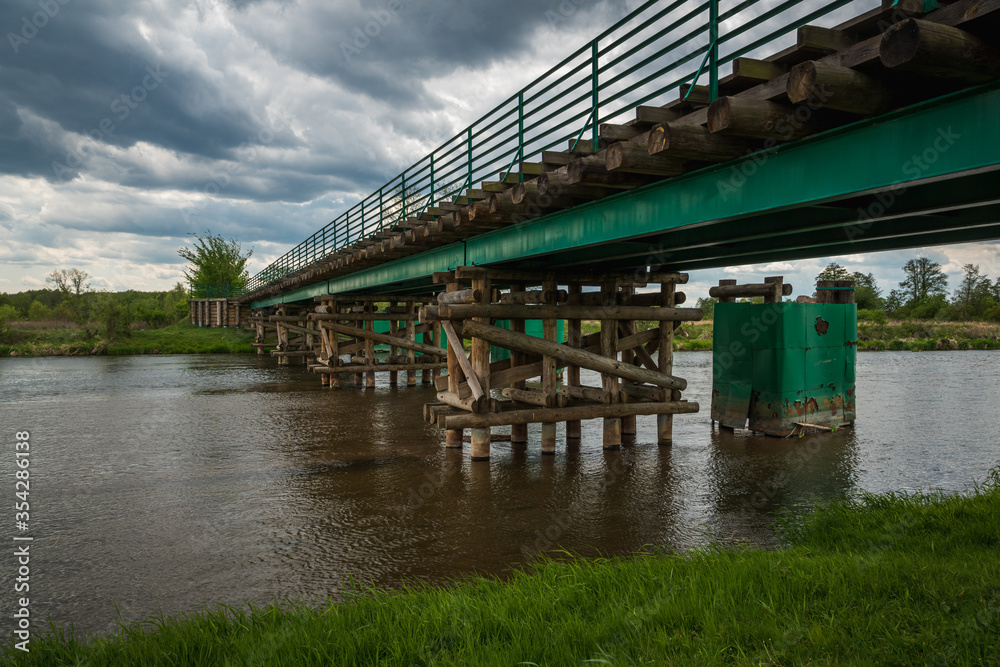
[
  {"x": 208, "y": 291},
  {"x": 641, "y": 60}
]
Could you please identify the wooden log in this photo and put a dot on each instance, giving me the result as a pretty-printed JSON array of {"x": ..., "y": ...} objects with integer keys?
[
  {"x": 723, "y": 298},
  {"x": 665, "y": 338},
  {"x": 574, "y": 412},
  {"x": 574, "y": 338},
  {"x": 762, "y": 119},
  {"x": 561, "y": 312},
  {"x": 383, "y": 338},
  {"x": 632, "y": 158},
  {"x": 557, "y": 184},
  {"x": 534, "y": 297},
  {"x": 456, "y": 349},
  {"x": 592, "y": 170},
  {"x": 532, "y": 396},
  {"x": 549, "y": 364},
  {"x": 480, "y": 359},
  {"x": 459, "y": 296},
  {"x": 838, "y": 88},
  {"x": 469, "y": 404},
  {"x": 939, "y": 51},
  {"x": 360, "y": 369},
  {"x": 582, "y": 358},
  {"x": 594, "y": 394},
  {"x": 697, "y": 143},
  {"x": 747, "y": 291},
  {"x": 364, "y": 317}
]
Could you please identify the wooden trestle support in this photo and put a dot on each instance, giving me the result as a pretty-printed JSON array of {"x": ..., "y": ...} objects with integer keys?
[
  {"x": 339, "y": 336},
  {"x": 479, "y": 395}
]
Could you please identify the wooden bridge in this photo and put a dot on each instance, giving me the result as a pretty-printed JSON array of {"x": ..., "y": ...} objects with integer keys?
[{"x": 585, "y": 196}]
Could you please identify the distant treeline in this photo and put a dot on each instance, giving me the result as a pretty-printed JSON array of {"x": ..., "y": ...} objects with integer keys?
[{"x": 72, "y": 301}]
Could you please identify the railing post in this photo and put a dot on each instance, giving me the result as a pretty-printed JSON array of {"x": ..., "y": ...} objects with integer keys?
[
  {"x": 520, "y": 135},
  {"x": 431, "y": 202},
  {"x": 381, "y": 213},
  {"x": 713, "y": 46},
  {"x": 595, "y": 97},
  {"x": 468, "y": 142},
  {"x": 402, "y": 179}
]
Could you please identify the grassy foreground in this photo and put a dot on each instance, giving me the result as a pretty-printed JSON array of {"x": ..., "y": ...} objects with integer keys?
[
  {"x": 886, "y": 580},
  {"x": 180, "y": 338}
]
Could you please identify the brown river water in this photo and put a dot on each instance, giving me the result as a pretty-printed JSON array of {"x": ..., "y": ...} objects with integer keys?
[{"x": 170, "y": 484}]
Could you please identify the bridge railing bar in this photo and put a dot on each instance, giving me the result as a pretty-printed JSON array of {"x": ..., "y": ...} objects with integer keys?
[{"x": 639, "y": 60}]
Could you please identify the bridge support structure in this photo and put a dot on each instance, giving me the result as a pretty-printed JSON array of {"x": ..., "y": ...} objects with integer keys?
[
  {"x": 479, "y": 394},
  {"x": 352, "y": 330},
  {"x": 781, "y": 368}
]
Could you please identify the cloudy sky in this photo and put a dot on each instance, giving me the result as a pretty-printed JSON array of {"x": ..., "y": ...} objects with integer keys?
[{"x": 127, "y": 125}]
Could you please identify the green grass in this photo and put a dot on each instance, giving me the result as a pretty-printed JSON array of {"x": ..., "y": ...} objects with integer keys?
[
  {"x": 180, "y": 338},
  {"x": 886, "y": 580}
]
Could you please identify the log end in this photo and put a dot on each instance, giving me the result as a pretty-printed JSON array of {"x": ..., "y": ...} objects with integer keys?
[
  {"x": 613, "y": 159},
  {"x": 518, "y": 193},
  {"x": 899, "y": 43},
  {"x": 719, "y": 113},
  {"x": 659, "y": 139},
  {"x": 801, "y": 82}
]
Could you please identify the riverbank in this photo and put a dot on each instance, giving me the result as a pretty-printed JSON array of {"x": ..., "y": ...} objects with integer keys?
[
  {"x": 897, "y": 335},
  {"x": 180, "y": 338},
  {"x": 886, "y": 579}
]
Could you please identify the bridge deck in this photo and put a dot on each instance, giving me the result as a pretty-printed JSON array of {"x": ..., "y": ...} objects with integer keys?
[{"x": 879, "y": 157}]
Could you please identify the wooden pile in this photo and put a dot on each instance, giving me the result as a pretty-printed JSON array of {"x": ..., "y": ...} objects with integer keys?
[
  {"x": 881, "y": 60},
  {"x": 478, "y": 395}
]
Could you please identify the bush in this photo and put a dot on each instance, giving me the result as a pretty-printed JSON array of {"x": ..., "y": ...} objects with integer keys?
[
  {"x": 8, "y": 314},
  {"x": 38, "y": 311},
  {"x": 872, "y": 315}
]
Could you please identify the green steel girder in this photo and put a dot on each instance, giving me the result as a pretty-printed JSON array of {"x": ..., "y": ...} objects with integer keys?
[
  {"x": 951, "y": 138},
  {"x": 941, "y": 200}
]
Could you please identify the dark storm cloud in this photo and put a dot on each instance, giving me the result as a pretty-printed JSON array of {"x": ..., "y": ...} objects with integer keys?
[
  {"x": 386, "y": 50},
  {"x": 88, "y": 70}
]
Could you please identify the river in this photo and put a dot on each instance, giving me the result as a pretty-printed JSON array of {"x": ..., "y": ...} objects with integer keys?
[{"x": 168, "y": 484}]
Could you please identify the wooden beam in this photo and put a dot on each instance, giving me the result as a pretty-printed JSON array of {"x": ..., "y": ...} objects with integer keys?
[
  {"x": 939, "y": 51},
  {"x": 455, "y": 340},
  {"x": 838, "y": 88},
  {"x": 531, "y": 416},
  {"x": 561, "y": 312},
  {"x": 632, "y": 158},
  {"x": 582, "y": 358},
  {"x": 697, "y": 143},
  {"x": 365, "y": 334}
]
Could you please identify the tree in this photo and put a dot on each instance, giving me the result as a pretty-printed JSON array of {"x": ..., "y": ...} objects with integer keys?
[
  {"x": 73, "y": 282},
  {"x": 994, "y": 289},
  {"x": 707, "y": 305},
  {"x": 867, "y": 294},
  {"x": 924, "y": 279},
  {"x": 834, "y": 271},
  {"x": 216, "y": 261},
  {"x": 894, "y": 301},
  {"x": 974, "y": 288}
]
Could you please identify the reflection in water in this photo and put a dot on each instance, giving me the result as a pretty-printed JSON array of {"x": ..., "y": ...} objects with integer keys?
[{"x": 171, "y": 483}]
